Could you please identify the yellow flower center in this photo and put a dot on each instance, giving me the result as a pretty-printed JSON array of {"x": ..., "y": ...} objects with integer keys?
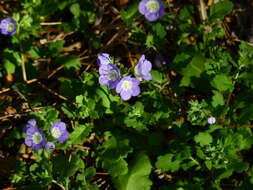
[
  {"x": 112, "y": 75},
  {"x": 153, "y": 6},
  {"x": 126, "y": 85},
  {"x": 10, "y": 27},
  {"x": 36, "y": 138},
  {"x": 56, "y": 133}
]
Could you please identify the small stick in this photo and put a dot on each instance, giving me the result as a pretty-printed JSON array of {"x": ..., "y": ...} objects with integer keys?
[
  {"x": 202, "y": 8},
  {"x": 9, "y": 89},
  {"x": 55, "y": 71},
  {"x": 12, "y": 115},
  {"x": 60, "y": 185},
  {"x": 50, "y": 23},
  {"x": 5, "y": 90},
  {"x": 55, "y": 93},
  {"x": 23, "y": 67}
]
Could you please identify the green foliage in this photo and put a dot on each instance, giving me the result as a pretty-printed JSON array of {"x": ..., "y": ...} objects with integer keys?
[
  {"x": 198, "y": 112},
  {"x": 193, "y": 69},
  {"x": 222, "y": 83},
  {"x": 160, "y": 139},
  {"x": 167, "y": 163},
  {"x": 80, "y": 133},
  {"x": 137, "y": 176},
  {"x": 203, "y": 138},
  {"x": 220, "y": 9}
]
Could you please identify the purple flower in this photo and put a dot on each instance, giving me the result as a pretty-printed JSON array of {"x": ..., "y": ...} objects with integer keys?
[
  {"x": 30, "y": 123},
  {"x": 104, "y": 59},
  {"x": 211, "y": 120},
  {"x": 8, "y": 26},
  {"x": 59, "y": 132},
  {"x": 151, "y": 9},
  {"x": 35, "y": 138},
  {"x": 109, "y": 75},
  {"x": 143, "y": 68},
  {"x": 128, "y": 87},
  {"x": 50, "y": 146}
]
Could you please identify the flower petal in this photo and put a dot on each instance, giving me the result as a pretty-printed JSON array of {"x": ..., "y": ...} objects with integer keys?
[
  {"x": 148, "y": 76},
  {"x": 136, "y": 91},
  {"x": 125, "y": 95},
  {"x": 103, "y": 80},
  {"x": 28, "y": 141}
]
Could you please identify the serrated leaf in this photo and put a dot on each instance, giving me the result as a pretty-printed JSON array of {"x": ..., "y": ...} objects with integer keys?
[
  {"x": 221, "y": 9},
  {"x": 70, "y": 61},
  {"x": 66, "y": 165},
  {"x": 203, "y": 138},
  {"x": 166, "y": 163},
  {"x": 157, "y": 76},
  {"x": 116, "y": 168},
  {"x": 217, "y": 99},
  {"x": 137, "y": 176},
  {"x": 193, "y": 69},
  {"x": 56, "y": 47},
  {"x": 159, "y": 30},
  {"x": 129, "y": 15},
  {"x": 222, "y": 82},
  {"x": 80, "y": 133}
]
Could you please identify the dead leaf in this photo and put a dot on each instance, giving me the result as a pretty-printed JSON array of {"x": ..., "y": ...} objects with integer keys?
[
  {"x": 10, "y": 110},
  {"x": 122, "y": 2}
]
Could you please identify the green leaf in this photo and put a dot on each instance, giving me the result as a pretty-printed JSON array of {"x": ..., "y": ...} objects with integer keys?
[
  {"x": 56, "y": 47},
  {"x": 166, "y": 163},
  {"x": 116, "y": 168},
  {"x": 66, "y": 165},
  {"x": 129, "y": 15},
  {"x": 157, "y": 76},
  {"x": 193, "y": 69},
  {"x": 137, "y": 176},
  {"x": 208, "y": 164},
  {"x": 222, "y": 82},
  {"x": 159, "y": 30},
  {"x": 9, "y": 67},
  {"x": 80, "y": 133},
  {"x": 186, "y": 12},
  {"x": 150, "y": 41},
  {"x": 203, "y": 138},
  {"x": 103, "y": 93},
  {"x": 246, "y": 55},
  {"x": 75, "y": 9},
  {"x": 217, "y": 99},
  {"x": 70, "y": 61},
  {"x": 220, "y": 10}
]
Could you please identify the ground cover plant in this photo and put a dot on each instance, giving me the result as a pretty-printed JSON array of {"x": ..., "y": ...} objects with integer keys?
[{"x": 126, "y": 94}]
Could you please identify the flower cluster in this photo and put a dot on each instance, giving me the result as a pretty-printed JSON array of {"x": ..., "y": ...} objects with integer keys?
[
  {"x": 36, "y": 139},
  {"x": 151, "y": 9},
  {"x": 8, "y": 26},
  {"x": 127, "y": 86}
]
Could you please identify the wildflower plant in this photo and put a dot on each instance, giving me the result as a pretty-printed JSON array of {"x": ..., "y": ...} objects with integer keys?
[{"x": 126, "y": 95}]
